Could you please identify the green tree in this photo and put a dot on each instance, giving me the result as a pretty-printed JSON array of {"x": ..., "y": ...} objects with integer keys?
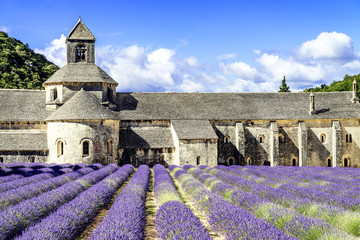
[
  {"x": 284, "y": 87},
  {"x": 20, "y": 66}
]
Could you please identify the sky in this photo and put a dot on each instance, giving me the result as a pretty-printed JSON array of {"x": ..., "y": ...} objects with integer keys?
[{"x": 200, "y": 45}]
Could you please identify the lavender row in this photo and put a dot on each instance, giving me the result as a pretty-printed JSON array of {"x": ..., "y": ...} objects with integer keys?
[
  {"x": 350, "y": 199},
  {"x": 174, "y": 220},
  {"x": 223, "y": 217},
  {"x": 24, "y": 181},
  {"x": 71, "y": 218},
  {"x": 14, "y": 196},
  {"x": 18, "y": 217},
  {"x": 126, "y": 217},
  {"x": 272, "y": 197}
]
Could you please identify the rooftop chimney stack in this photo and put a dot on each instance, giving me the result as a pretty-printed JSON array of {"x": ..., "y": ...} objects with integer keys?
[
  {"x": 312, "y": 104},
  {"x": 354, "y": 98}
]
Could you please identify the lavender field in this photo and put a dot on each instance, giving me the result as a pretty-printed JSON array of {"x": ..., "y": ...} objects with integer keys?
[{"x": 48, "y": 201}]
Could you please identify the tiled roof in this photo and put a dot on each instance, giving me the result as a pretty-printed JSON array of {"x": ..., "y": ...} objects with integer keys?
[
  {"x": 235, "y": 106},
  {"x": 151, "y": 137},
  {"x": 82, "y": 105},
  {"x": 193, "y": 129},
  {"x": 80, "y": 73},
  {"x": 23, "y": 140},
  {"x": 80, "y": 32}
]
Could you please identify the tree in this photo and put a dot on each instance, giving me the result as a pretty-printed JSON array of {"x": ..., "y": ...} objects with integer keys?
[{"x": 284, "y": 87}]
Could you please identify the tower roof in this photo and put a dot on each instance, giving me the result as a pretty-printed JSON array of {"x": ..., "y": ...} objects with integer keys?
[
  {"x": 80, "y": 32},
  {"x": 82, "y": 106},
  {"x": 80, "y": 73}
]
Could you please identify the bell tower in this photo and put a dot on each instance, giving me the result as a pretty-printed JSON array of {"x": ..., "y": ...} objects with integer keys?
[{"x": 80, "y": 45}]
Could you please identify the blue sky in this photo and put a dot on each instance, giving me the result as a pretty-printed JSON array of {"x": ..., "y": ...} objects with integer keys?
[{"x": 206, "y": 46}]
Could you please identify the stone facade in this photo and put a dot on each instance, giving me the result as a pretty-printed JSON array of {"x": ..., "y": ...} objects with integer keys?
[{"x": 79, "y": 117}]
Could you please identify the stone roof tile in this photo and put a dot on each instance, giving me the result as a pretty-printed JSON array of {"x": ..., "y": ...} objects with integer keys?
[
  {"x": 151, "y": 137},
  {"x": 23, "y": 140},
  {"x": 193, "y": 129},
  {"x": 80, "y": 73},
  {"x": 82, "y": 106}
]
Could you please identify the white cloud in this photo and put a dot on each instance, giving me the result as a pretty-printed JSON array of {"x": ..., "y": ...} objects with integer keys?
[
  {"x": 4, "y": 29},
  {"x": 239, "y": 69},
  {"x": 137, "y": 69},
  {"x": 228, "y": 56},
  {"x": 56, "y": 52},
  {"x": 257, "y": 52},
  {"x": 140, "y": 69},
  {"x": 327, "y": 46}
]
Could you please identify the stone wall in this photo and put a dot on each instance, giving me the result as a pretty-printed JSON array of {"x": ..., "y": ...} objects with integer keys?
[
  {"x": 198, "y": 152},
  {"x": 73, "y": 134},
  {"x": 148, "y": 156}
]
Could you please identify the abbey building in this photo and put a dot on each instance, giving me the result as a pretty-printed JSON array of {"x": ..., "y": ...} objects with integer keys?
[{"x": 80, "y": 117}]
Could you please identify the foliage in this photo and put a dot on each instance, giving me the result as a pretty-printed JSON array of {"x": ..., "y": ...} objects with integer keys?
[
  {"x": 336, "y": 86},
  {"x": 284, "y": 87},
  {"x": 20, "y": 66}
]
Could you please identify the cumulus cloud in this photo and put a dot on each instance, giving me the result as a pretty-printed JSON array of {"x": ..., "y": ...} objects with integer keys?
[
  {"x": 321, "y": 60},
  {"x": 327, "y": 46},
  {"x": 137, "y": 69},
  {"x": 56, "y": 52}
]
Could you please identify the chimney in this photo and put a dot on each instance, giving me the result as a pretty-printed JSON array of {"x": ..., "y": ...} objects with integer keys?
[
  {"x": 354, "y": 98},
  {"x": 312, "y": 104}
]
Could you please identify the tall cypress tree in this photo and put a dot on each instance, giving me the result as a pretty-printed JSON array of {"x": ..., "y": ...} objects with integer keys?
[{"x": 284, "y": 87}]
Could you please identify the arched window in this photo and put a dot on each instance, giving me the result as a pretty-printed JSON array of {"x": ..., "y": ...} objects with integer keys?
[
  {"x": 346, "y": 162},
  {"x": 162, "y": 157},
  {"x": 198, "y": 160},
  {"x": 348, "y": 138},
  {"x": 109, "y": 147},
  {"x": 294, "y": 162},
  {"x": 80, "y": 53},
  {"x": 226, "y": 139},
  {"x": 230, "y": 161},
  {"x": 249, "y": 161},
  {"x": 60, "y": 148},
  {"x": 261, "y": 138},
  {"x": 31, "y": 159},
  {"x": 329, "y": 162},
  {"x": 85, "y": 148},
  {"x": 267, "y": 163},
  {"x": 323, "y": 137},
  {"x": 281, "y": 138},
  {"x": 1, "y": 159},
  {"x": 133, "y": 159},
  {"x": 53, "y": 94}
]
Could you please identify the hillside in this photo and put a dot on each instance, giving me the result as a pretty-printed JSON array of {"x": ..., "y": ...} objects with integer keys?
[
  {"x": 20, "y": 66},
  {"x": 335, "y": 86}
]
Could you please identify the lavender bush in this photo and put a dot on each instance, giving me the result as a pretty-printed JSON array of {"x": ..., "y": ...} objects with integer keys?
[
  {"x": 174, "y": 220},
  {"x": 18, "y": 217},
  {"x": 126, "y": 217},
  {"x": 68, "y": 221}
]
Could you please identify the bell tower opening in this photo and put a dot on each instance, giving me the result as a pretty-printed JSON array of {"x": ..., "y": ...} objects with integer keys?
[{"x": 80, "y": 53}]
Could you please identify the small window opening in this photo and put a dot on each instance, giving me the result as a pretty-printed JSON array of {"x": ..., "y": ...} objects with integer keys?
[
  {"x": 348, "y": 138},
  {"x": 230, "y": 161},
  {"x": 198, "y": 160},
  {"x": 60, "y": 148},
  {"x": 249, "y": 161},
  {"x": 1, "y": 159},
  {"x": 346, "y": 162},
  {"x": 226, "y": 139},
  {"x": 85, "y": 146},
  {"x": 162, "y": 157},
  {"x": 267, "y": 163},
  {"x": 329, "y": 164},
  {"x": 281, "y": 138},
  {"x": 323, "y": 137},
  {"x": 109, "y": 94},
  {"x": 294, "y": 162},
  {"x": 109, "y": 147},
  {"x": 261, "y": 138},
  {"x": 31, "y": 159},
  {"x": 133, "y": 160},
  {"x": 80, "y": 53}
]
